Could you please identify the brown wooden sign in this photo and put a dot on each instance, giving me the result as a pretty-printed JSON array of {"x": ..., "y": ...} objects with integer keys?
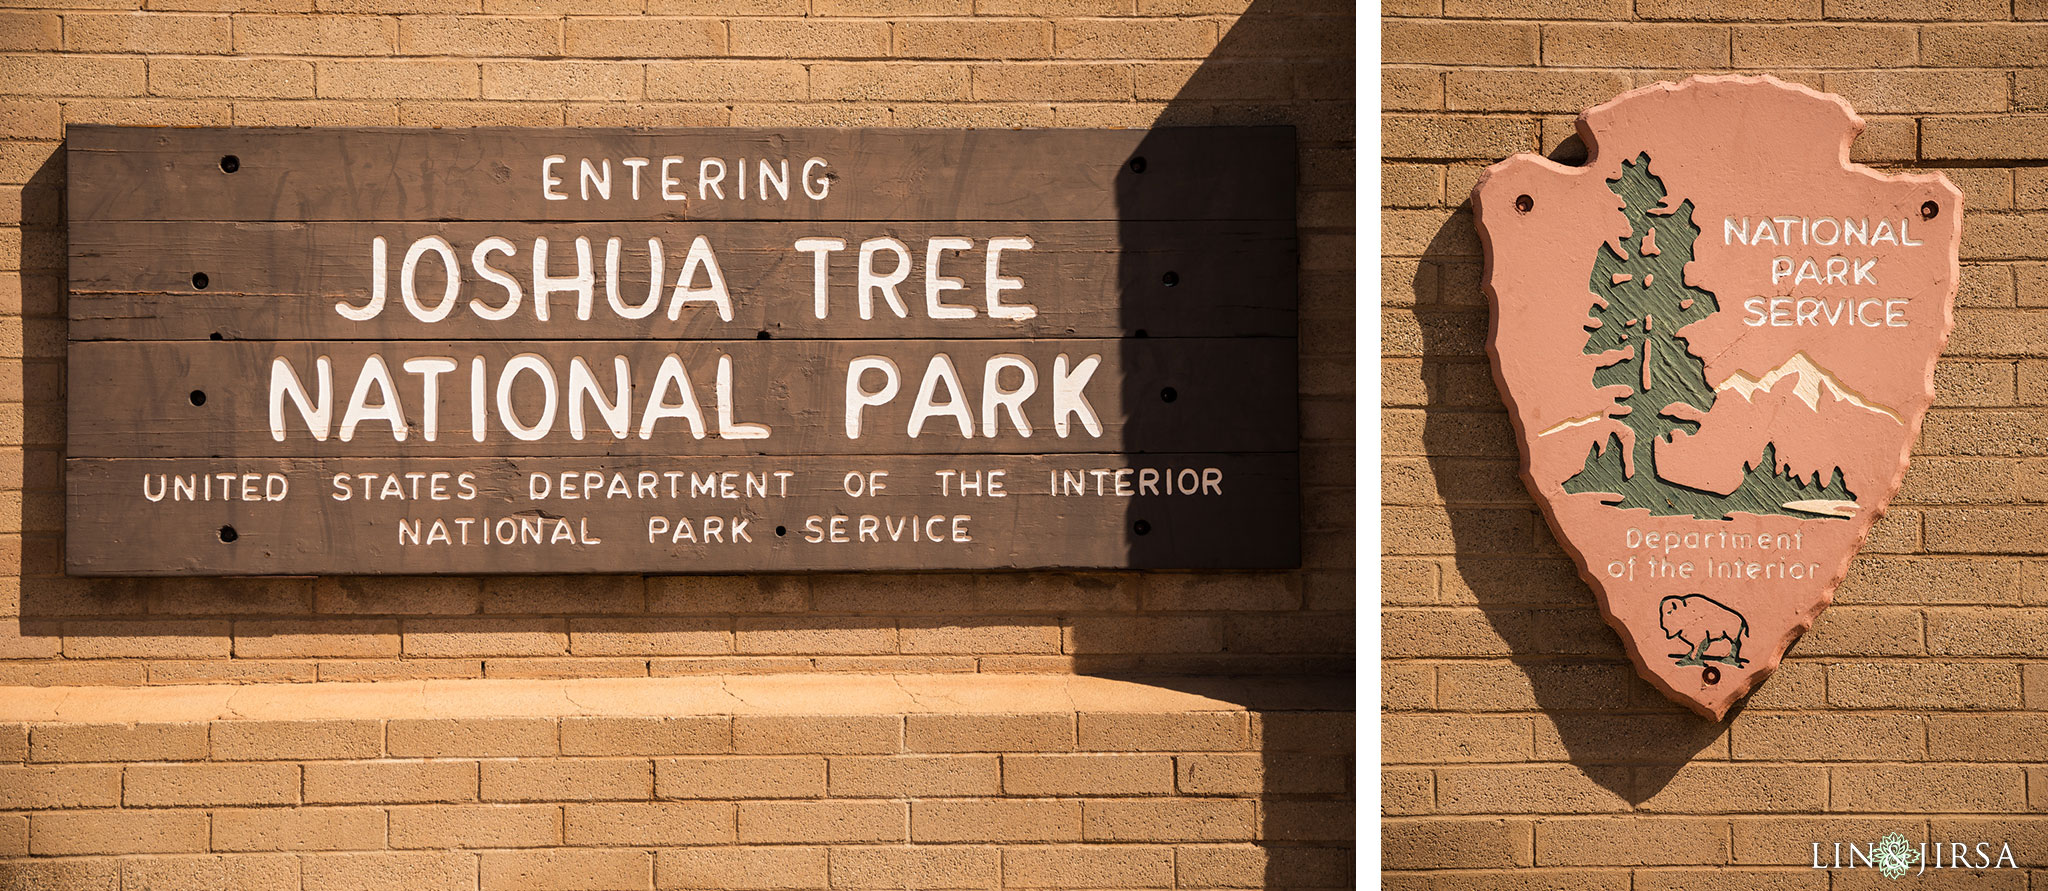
[{"x": 402, "y": 351}]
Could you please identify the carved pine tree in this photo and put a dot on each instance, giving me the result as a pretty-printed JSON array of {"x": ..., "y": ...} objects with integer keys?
[{"x": 1641, "y": 301}]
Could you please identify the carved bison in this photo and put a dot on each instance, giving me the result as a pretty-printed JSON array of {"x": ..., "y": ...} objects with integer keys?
[{"x": 1698, "y": 621}]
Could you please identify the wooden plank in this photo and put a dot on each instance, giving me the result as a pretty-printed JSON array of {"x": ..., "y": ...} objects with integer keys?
[
  {"x": 283, "y": 281},
  {"x": 497, "y": 174},
  {"x": 208, "y": 398},
  {"x": 168, "y": 516}
]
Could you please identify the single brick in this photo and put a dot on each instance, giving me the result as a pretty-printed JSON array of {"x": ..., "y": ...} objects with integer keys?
[
  {"x": 1633, "y": 44},
  {"x": 1439, "y": 844},
  {"x": 1923, "y": 685},
  {"x": 1167, "y": 819},
  {"x": 30, "y": 31},
  {"x": 1835, "y": 737},
  {"x": 809, "y": 38},
  {"x": 1562, "y": 789},
  {"x": 146, "y": 33},
  {"x": 914, "y": 776},
  {"x": 185, "y": 785},
  {"x": 154, "y": 639},
  {"x": 1041, "y": 81},
  {"x": 451, "y": 871},
  {"x": 259, "y": 78},
  {"x": 477, "y": 826},
  {"x": 470, "y": 737},
  {"x": 1459, "y": 44},
  {"x": 649, "y": 637},
  {"x": 645, "y": 36},
  {"x": 68, "y": 75},
  {"x": 117, "y": 832},
  {"x": 780, "y": 868},
  {"x": 36, "y": 788},
  {"x": 989, "y": 733},
  {"x": 321, "y": 35},
  {"x": 568, "y": 780},
  {"x": 296, "y": 740},
  {"x": 785, "y": 822},
  {"x": 660, "y": 823},
  {"x": 1087, "y": 774},
  {"x": 827, "y": 735},
  {"x": 1454, "y": 137},
  {"x": 1092, "y": 866},
  {"x": 914, "y": 867},
  {"x": 2019, "y": 737},
  {"x": 438, "y": 35},
  {"x": 566, "y": 870},
  {"x": 63, "y": 875},
  {"x": 1630, "y": 841},
  {"x": 489, "y": 637},
  {"x": 973, "y": 39},
  {"x": 981, "y": 636},
  {"x": 815, "y": 635},
  {"x": 564, "y": 80},
  {"x": 1922, "y": 788},
  {"x": 316, "y": 638},
  {"x": 117, "y": 742},
  {"x": 298, "y": 829},
  {"x": 1107, "y": 38},
  {"x": 1741, "y": 788},
  {"x": 369, "y": 782},
  {"x": 694, "y": 734},
  {"x": 995, "y": 821},
  {"x": 729, "y": 81},
  {"x": 1532, "y": 91},
  {"x": 793, "y": 777},
  {"x": 233, "y": 872},
  {"x": 1174, "y": 732}
]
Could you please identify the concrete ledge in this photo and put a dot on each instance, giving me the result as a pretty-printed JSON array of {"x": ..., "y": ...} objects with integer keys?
[{"x": 803, "y": 694}]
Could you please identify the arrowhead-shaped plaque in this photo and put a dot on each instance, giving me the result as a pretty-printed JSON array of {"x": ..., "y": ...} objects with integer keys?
[{"x": 1716, "y": 340}]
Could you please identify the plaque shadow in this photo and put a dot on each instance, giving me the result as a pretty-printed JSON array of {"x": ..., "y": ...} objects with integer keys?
[{"x": 1596, "y": 712}]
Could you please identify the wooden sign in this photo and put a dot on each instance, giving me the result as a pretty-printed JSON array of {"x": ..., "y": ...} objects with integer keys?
[
  {"x": 531, "y": 351},
  {"x": 1717, "y": 340}
]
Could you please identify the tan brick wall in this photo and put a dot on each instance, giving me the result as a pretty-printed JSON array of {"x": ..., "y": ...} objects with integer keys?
[
  {"x": 1522, "y": 751},
  {"x": 676, "y": 63},
  {"x": 1196, "y": 794}
]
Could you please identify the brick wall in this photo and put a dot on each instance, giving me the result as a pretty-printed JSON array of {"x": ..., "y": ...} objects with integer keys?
[
  {"x": 1113, "y": 787},
  {"x": 1522, "y": 751},
  {"x": 674, "y": 63},
  {"x": 596, "y": 732}
]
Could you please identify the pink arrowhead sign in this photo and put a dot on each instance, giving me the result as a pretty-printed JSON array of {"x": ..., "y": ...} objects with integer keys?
[{"x": 1716, "y": 340}]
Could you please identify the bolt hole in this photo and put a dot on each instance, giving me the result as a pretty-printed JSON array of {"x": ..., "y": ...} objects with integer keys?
[
  {"x": 763, "y": 336},
  {"x": 1141, "y": 527},
  {"x": 1711, "y": 675},
  {"x": 199, "y": 280},
  {"x": 781, "y": 530},
  {"x": 1138, "y": 164},
  {"x": 1524, "y": 203},
  {"x": 198, "y": 397},
  {"x": 1168, "y": 395},
  {"x": 1140, "y": 333},
  {"x": 1170, "y": 279},
  {"x": 228, "y": 534},
  {"x": 230, "y": 163},
  {"x": 214, "y": 336},
  {"x": 1930, "y": 210}
]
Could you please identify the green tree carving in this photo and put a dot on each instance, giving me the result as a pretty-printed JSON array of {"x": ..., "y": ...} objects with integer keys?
[{"x": 1641, "y": 301}]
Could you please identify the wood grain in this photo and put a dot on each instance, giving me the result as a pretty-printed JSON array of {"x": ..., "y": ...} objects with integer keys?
[
  {"x": 281, "y": 281},
  {"x": 1220, "y": 173},
  {"x": 1247, "y": 519}
]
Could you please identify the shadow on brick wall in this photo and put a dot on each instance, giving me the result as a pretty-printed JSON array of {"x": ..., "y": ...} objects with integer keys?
[{"x": 1606, "y": 719}]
